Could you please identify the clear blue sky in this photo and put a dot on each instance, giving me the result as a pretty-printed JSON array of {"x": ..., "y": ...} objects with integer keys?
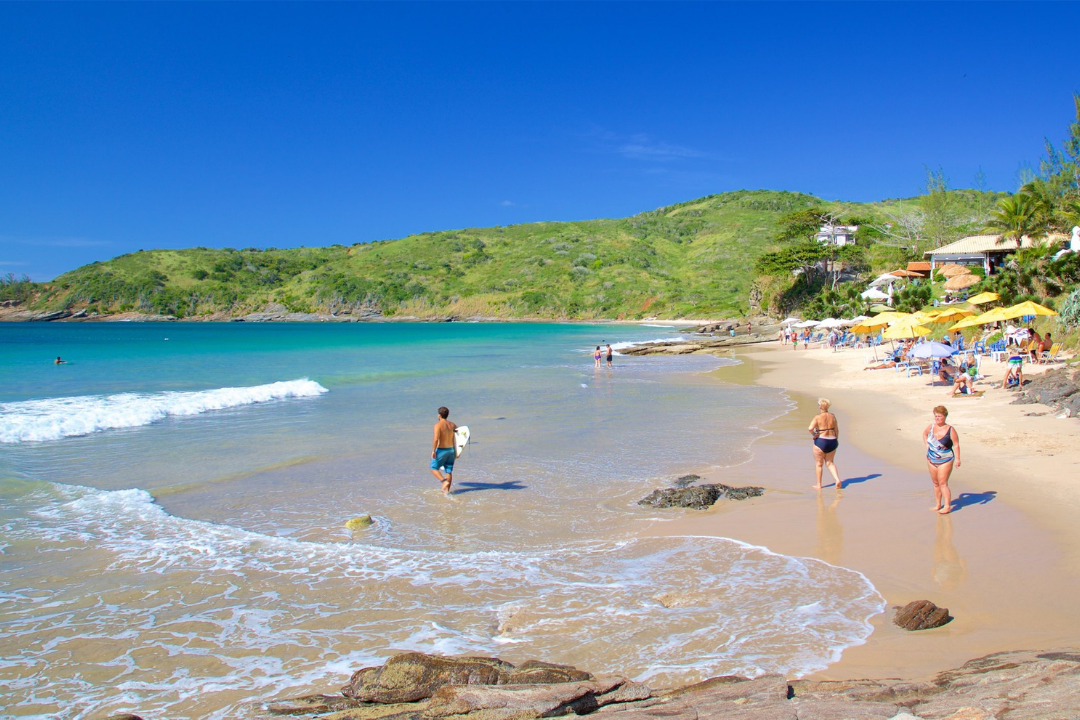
[{"x": 127, "y": 126}]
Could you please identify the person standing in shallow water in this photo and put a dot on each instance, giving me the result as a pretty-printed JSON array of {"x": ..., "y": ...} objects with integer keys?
[
  {"x": 596, "y": 356},
  {"x": 826, "y": 434},
  {"x": 442, "y": 450},
  {"x": 609, "y": 353},
  {"x": 942, "y": 451}
]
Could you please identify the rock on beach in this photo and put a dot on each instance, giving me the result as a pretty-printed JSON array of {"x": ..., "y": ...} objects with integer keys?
[
  {"x": 699, "y": 497},
  {"x": 1023, "y": 685},
  {"x": 921, "y": 615}
]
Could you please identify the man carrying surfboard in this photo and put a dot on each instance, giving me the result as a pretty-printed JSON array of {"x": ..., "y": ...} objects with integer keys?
[{"x": 443, "y": 452}]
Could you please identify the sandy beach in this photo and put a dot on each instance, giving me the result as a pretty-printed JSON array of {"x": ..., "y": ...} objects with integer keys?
[{"x": 1005, "y": 562}]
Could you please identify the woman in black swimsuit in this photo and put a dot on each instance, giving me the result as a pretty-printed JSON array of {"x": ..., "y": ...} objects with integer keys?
[{"x": 826, "y": 433}]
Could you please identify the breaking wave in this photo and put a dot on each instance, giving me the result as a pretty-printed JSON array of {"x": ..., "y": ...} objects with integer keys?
[{"x": 55, "y": 418}]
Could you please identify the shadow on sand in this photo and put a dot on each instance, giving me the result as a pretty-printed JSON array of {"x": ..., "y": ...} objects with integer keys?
[
  {"x": 477, "y": 486},
  {"x": 864, "y": 478},
  {"x": 965, "y": 499}
]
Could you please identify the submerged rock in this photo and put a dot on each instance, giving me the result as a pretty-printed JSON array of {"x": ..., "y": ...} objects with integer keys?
[
  {"x": 686, "y": 480},
  {"x": 699, "y": 497},
  {"x": 359, "y": 523},
  {"x": 921, "y": 615}
]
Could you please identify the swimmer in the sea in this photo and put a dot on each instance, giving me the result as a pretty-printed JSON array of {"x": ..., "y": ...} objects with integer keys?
[{"x": 58, "y": 361}]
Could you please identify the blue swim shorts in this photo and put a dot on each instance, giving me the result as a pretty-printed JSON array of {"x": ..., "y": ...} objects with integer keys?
[{"x": 444, "y": 460}]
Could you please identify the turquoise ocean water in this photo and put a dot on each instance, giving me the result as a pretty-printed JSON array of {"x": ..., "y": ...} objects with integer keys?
[{"x": 174, "y": 499}]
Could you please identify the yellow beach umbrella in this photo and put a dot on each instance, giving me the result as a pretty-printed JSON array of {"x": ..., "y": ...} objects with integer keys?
[
  {"x": 994, "y": 315},
  {"x": 902, "y": 331},
  {"x": 921, "y": 318},
  {"x": 1027, "y": 308},
  {"x": 891, "y": 317},
  {"x": 950, "y": 315},
  {"x": 983, "y": 297}
]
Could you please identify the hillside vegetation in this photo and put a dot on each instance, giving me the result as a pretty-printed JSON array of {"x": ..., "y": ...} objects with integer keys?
[{"x": 693, "y": 259}]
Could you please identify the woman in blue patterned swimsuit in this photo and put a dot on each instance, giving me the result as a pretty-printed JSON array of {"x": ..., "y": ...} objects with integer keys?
[
  {"x": 942, "y": 451},
  {"x": 826, "y": 439}
]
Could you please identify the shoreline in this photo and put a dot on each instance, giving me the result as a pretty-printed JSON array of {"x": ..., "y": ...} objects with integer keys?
[
  {"x": 1003, "y": 546},
  {"x": 21, "y": 314}
]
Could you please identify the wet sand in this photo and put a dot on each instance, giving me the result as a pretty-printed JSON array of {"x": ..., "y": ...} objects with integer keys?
[{"x": 1005, "y": 562}]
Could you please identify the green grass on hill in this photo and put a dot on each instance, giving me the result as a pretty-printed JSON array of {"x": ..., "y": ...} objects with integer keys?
[{"x": 691, "y": 259}]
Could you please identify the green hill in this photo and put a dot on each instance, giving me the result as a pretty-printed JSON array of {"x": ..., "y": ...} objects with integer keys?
[{"x": 690, "y": 259}]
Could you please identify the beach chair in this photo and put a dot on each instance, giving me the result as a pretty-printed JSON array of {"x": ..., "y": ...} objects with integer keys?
[
  {"x": 1049, "y": 356},
  {"x": 918, "y": 368}
]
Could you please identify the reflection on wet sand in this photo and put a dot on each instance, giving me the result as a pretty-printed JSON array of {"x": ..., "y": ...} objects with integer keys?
[
  {"x": 950, "y": 570},
  {"x": 830, "y": 532}
]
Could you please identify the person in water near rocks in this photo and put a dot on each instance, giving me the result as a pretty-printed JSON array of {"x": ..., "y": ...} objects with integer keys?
[
  {"x": 826, "y": 439},
  {"x": 942, "y": 451},
  {"x": 442, "y": 450},
  {"x": 609, "y": 353}
]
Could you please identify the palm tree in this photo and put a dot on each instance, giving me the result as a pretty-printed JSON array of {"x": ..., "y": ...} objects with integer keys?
[
  {"x": 1044, "y": 198},
  {"x": 1014, "y": 218}
]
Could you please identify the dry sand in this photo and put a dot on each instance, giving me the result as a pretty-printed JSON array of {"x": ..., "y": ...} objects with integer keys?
[{"x": 1006, "y": 562}]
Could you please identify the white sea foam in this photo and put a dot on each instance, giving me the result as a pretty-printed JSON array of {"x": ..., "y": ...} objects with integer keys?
[
  {"x": 276, "y": 614},
  {"x": 55, "y": 418},
  {"x": 617, "y": 346}
]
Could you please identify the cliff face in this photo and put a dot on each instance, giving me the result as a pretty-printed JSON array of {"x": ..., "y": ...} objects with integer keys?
[{"x": 1025, "y": 685}]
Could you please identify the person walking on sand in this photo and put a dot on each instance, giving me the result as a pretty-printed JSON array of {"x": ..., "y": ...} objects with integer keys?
[
  {"x": 826, "y": 434},
  {"x": 442, "y": 450},
  {"x": 609, "y": 353},
  {"x": 597, "y": 355},
  {"x": 942, "y": 450}
]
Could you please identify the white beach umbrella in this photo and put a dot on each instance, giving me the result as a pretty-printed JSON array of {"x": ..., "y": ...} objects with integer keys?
[
  {"x": 873, "y": 294},
  {"x": 856, "y": 320},
  {"x": 831, "y": 323},
  {"x": 790, "y": 320},
  {"x": 807, "y": 324},
  {"x": 886, "y": 279}
]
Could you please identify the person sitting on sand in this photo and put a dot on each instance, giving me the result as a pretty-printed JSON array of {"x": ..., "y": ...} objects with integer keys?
[
  {"x": 826, "y": 434},
  {"x": 963, "y": 384},
  {"x": 942, "y": 451},
  {"x": 443, "y": 453}
]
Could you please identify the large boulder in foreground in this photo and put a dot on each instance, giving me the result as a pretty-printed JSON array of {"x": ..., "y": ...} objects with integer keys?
[
  {"x": 416, "y": 676},
  {"x": 1025, "y": 685},
  {"x": 921, "y": 615},
  {"x": 699, "y": 497}
]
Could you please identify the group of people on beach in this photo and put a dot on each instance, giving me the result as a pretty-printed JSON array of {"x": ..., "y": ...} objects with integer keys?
[{"x": 940, "y": 439}]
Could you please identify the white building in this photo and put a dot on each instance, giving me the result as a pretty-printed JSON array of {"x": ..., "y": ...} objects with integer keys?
[{"x": 837, "y": 234}]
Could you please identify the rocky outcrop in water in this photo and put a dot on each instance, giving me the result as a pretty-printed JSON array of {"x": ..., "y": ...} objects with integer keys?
[
  {"x": 699, "y": 497},
  {"x": 921, "y": 615},
  {"x": 1059, "y": 388},
  {"x": 1025, "y": 685}
]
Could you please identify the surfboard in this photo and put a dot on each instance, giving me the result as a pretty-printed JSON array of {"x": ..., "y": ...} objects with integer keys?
[{"x": 461, "y": 439}]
